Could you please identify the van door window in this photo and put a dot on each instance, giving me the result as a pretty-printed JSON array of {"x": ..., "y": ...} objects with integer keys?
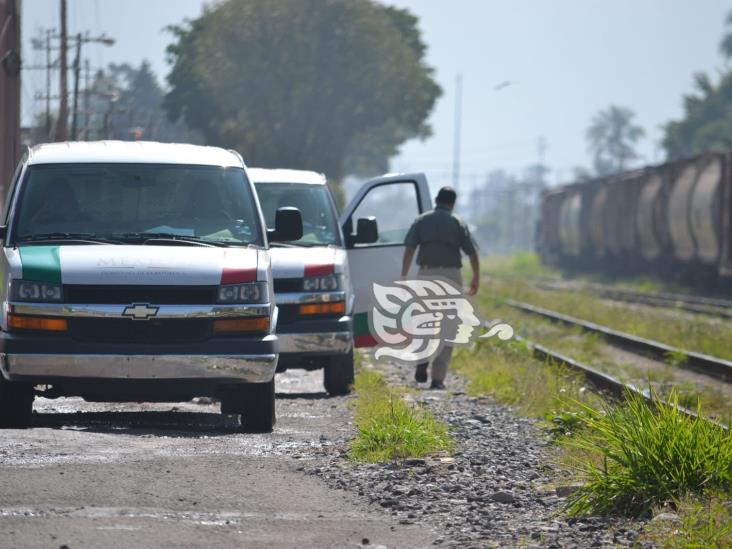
[{"x": 394, "y": 206}]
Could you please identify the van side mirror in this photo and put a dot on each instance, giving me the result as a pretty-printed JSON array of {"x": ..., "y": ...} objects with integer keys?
[
  {"x": 3, "y": 231},
  {"x": 288, "y": 225},
  {"x": 367, "y": 231}
]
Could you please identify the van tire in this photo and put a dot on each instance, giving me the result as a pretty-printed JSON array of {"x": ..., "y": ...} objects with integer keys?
[
  {"x": 16, "y": 404},
  {"x": 257, "y": 405},
  {"x": 338, "y": 374}
]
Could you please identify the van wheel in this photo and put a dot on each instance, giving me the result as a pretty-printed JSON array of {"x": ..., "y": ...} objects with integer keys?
[
  {"x": 16, "y": 404},
  {"x": 338, "y": 374},
  {"x": 256, "y": 403}
]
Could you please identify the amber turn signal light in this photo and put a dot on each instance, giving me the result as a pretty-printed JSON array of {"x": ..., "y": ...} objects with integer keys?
[
  {"x": 37, "y": 323},
  {"x": 335, "y": 307},
  {"x": 258, "y": 324}
]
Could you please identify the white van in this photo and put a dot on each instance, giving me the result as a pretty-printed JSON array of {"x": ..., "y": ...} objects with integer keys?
[
  {"x": 137, "y": 272},
  {"x": 322, "y": 281}
]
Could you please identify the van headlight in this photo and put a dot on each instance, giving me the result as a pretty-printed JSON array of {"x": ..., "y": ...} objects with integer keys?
[
  {"x": 23, "y": 290},
  {"x": 254, "y": 292},
  {"x": 328, "y": 283}
]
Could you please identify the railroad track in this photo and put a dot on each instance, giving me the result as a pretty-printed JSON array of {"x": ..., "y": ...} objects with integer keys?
[
  {"x": 603, "y": 381},
  {"x": 694, "y": 304},
  {"x": 702, "y": 363}
]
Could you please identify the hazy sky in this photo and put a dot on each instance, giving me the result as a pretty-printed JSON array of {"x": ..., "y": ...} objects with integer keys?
[{"x": 565, "y": 60}]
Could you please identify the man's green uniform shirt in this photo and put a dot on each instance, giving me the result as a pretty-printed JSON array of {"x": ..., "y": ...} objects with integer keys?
[{"x": 440, "y": 236}]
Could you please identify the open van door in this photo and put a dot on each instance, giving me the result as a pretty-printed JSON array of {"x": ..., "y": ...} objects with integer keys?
[{"x": 393, "y": 202}]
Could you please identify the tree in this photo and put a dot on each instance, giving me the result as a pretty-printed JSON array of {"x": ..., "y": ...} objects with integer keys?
[
  {"x": 316, "y": 84},
  {"x": 41, "y": 129},
  {"x": 725, "y": 46},
  {"x": 580, "y": 173},
  {"x": 128, "y": 105},
  {"x": 611, "y": 138},
  {"x": 707, "y": 121}
]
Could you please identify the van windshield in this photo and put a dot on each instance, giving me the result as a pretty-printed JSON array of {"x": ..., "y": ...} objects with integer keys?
[
  {"x": 127, "y": 202},
  {"x": 319, "y": 221}
]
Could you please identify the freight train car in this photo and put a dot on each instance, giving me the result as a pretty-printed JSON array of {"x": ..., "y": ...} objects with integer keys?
[{"x": 672, "y": 220}]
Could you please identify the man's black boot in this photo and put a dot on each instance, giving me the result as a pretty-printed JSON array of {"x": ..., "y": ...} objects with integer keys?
[{"x": 420, "y": 374}]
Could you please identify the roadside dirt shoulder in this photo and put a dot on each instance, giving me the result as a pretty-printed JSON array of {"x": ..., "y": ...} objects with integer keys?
[{"x": 143, "y": 475}]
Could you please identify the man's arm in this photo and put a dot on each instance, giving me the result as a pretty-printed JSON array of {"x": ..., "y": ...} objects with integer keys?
[
  {"x": 475, "y": 267},
  {"x": 407, "y": 260},
  {"x": 468, "y": 246}
]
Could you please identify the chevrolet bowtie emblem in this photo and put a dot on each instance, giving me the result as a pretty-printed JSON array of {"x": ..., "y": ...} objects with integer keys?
[{"x": 140, "y": 311}]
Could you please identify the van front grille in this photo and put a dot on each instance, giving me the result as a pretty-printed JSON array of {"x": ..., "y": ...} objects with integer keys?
[
  {"x": 157, "y": 295},
  {"x": 126, "y": 330}
]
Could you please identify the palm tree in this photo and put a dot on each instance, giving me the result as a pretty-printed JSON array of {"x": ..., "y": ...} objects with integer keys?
[
  {"x": 725, "y": 46},
  {"x": 611, "y": 139}
]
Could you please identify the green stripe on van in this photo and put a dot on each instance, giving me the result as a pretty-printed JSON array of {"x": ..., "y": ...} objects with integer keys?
[
  {"x": 361, "y": 324},
  {"x": 41, "y": 263}
]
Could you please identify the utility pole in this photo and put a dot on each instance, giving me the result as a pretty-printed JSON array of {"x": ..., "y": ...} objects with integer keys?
[
  {"x": 456, "y": 137},
  {"x": 63, "y": 107},
  {"x": 541, "y": 148},
  {"x": 87, "y": 107},
  {"x": 10, "y": 65},
  {"x": 83, "y": 39},
  {"x": 48, "y": 83},
  {"x": 45, "y": 44},
  {"x": 77, "y": 71}
]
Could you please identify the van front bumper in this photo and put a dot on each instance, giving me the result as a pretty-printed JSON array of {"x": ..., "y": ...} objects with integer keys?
[
  {"x": 316, "y": 337},
  {"x": 47, "y": 359},
  {"x": 242, "y": 368}
]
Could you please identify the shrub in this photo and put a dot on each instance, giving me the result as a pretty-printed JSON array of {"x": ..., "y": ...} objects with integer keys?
[{"x": 651, "y": 454}]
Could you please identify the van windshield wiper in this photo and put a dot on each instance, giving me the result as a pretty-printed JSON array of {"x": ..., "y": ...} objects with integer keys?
[
  {"x": 143, "y": 238},
  {"x": 90, "y": 238}
]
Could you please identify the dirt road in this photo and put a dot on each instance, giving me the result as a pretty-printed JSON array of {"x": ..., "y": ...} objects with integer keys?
[{"x": 162, "y": 475}]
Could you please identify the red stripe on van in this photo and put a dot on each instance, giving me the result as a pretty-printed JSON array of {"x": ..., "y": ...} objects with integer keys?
[
  {"x": 319, "y": 270},
  {"x": 365, "y": 341},
  {"x": 233, "y": 275}
]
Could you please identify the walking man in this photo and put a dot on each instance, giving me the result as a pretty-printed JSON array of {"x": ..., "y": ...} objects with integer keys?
[{"x": 440, "y": 235}]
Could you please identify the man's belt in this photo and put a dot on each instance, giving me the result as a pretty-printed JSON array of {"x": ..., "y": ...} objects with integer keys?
[{"x": 438, "y": 267}]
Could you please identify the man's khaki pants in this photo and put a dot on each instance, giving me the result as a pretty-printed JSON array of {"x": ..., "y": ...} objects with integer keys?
[{"x": 442, "y": 360}]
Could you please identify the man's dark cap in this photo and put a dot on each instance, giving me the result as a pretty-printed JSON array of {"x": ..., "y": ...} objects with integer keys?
[{"x": 446, "y": 195}]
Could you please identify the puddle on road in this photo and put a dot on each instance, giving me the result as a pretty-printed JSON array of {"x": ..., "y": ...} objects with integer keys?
[
  {"x": 71, "y": 430},
  {"x": 212, "y": 518}
]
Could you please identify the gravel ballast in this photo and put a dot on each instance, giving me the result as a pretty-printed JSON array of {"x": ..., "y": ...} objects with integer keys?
[{"x": 498, "y": 489}]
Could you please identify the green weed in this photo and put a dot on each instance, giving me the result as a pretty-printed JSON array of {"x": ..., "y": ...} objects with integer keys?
[
  {"x": 525, "y": 264},
  {"x": 651, "y": 454},
  {"x": 676, "y": 358},
  {"x": 507, "y": 371},
  {"x": 390, "y": 428},
  {"x": 703, "y": 524}
]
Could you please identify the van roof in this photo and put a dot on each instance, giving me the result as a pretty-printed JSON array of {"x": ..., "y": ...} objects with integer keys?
[
  {"x": 143, "y": 152},
  {"x": 265, "y": 175}
]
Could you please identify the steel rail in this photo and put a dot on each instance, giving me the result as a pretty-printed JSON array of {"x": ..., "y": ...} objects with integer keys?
[
  {"x": 693, "y": 304},
  {"x": 606, "y": 382},
  {"x": 702, "y": 363}
]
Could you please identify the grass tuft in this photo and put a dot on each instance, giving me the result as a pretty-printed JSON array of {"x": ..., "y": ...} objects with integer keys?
[
  {"x": 677, "y": 357},
  {"x": 701, "y": 524},
  {"x": 523, "y": 264},
  {"x": 389, "y": 427},
  {"x": 507, "y": 371},
  {"x": 651, "y": 454}
]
